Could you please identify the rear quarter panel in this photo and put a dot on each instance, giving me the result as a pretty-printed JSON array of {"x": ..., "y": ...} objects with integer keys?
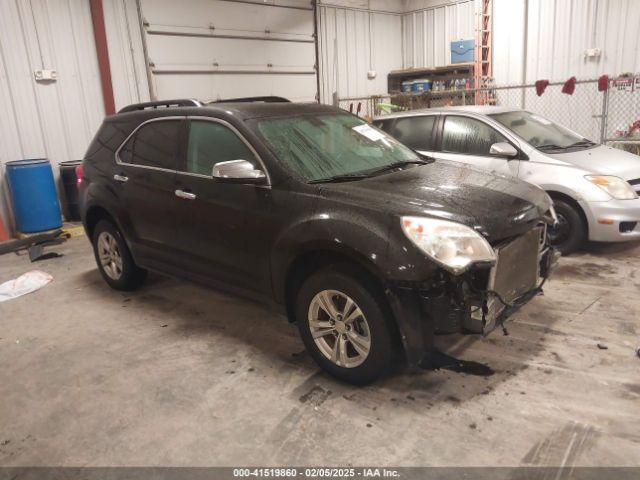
[{"x": 97, "y": 188}]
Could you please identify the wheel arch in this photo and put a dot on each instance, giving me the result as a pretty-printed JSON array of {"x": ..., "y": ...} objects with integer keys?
[
  {"x": 556, "y": 195},
  {"x": 311, "y": 260},
  {"x": 94, "y": 214}
]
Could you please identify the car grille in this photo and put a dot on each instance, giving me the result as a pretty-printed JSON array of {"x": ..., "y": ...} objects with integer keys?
[
  {"x": 517, "y": 266},
  {"x": 515, "y": 273},
  {"x": 635, "y": 184}
]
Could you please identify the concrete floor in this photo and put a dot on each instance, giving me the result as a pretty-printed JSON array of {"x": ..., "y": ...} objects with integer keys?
[{"x": 176, "y": 374}]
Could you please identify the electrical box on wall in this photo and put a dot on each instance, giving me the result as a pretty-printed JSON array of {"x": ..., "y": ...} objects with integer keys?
[
  {"x": 463, "y": 51},
  {"x": 592, "y": 53},
  {"x": 46, "y": 75}
]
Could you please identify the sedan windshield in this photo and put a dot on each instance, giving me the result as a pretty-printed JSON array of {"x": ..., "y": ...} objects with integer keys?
[
  {"x": 333, "y": 146},
  {"x": 539, "y": 132}
]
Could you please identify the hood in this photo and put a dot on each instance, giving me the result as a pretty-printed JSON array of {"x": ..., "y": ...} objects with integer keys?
[
  {"x": 497, "y": 206},
  {"x": 603, "y": 160}
]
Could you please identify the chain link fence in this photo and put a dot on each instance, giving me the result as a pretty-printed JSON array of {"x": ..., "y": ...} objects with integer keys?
[
  {"x": 611, "y": 116},
  {"x": 622, "y": 114}
]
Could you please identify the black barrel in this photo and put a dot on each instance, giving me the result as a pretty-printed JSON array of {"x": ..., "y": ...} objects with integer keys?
[{"x": 70, "y": 185}]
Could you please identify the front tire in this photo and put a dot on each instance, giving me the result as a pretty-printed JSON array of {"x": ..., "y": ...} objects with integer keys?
[
  {"x": 571, "y": 232},
  {"x": 114, "y": 259},
  {"x": 344, "y": 327}
]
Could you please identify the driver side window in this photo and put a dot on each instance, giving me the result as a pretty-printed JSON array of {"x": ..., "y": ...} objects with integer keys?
[
  {"x": 210, "y": 143},
  {"x": 469, "y": 136}
]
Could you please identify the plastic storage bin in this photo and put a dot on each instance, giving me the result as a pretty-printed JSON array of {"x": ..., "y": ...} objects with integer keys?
[
  {"x": 407, "y": 85},
  {"x": 422, "y": 85}
]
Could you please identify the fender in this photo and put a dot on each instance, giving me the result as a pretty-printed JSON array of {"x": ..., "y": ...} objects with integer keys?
[
  {"x": 363, "y": 242},
  {"x": 552, "y": 187},
  {"x": 367, "y": 244}
]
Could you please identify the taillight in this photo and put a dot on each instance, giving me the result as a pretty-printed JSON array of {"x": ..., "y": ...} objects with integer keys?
[{"x": 79, "y": 175}]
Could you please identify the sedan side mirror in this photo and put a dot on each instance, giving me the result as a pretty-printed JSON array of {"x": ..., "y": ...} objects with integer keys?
[
  {"x": 238, "y": 171},
  {"x": 503, "y": 149}
]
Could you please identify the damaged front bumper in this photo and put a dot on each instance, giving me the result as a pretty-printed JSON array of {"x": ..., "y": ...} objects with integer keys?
[{"x": 475, "y": 302}]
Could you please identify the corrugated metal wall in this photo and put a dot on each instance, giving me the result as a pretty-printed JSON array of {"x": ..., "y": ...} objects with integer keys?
[
  {"x": 417, "y": 38},
  {"x": 427, "y": 33},
  {"x": 57, "y": 120},
  {"x": 126, "y": 54},
  {"x": 559, "y": 32},
  {"x": 218, "y": 49},
  {"x": 353, "y": 41}
]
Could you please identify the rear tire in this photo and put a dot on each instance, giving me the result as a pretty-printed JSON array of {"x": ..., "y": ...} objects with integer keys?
[
  {"x": 571, "y": 232},
  {"x": 114, "y": 259},
  {"x": 354, "y": 342}
]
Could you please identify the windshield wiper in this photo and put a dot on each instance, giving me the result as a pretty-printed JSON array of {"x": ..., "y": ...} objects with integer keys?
[
  {"x": 551, "y": 146},
  {"x": 340, "y": 178},
  {"x": 370, "y": 173},
  {"x": 392, "y": 166},
  {"x": 582, "y": 143}
]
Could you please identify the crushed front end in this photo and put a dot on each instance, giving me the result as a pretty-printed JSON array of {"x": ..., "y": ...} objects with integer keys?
[{"x": 476, "y": 301}]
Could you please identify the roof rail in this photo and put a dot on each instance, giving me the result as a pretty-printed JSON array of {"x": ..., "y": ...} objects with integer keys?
[
  {"x": 184, "y": 102},
  {"x": 266, "y": 99}
]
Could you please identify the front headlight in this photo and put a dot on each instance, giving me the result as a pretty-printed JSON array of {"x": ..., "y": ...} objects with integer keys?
[
  {"x": 614, "y": 186},
  {"x": 452, "y": 245}
]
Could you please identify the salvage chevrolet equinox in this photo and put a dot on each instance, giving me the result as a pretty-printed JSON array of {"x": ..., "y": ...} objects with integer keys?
[{"x": 370, "y": 248}]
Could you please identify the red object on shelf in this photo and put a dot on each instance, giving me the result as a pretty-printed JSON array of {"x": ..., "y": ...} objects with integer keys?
[
  {"x": 603, "y": 83},
  {"x": 569, "y": 86},
  {"x": 541, "y": 86}
]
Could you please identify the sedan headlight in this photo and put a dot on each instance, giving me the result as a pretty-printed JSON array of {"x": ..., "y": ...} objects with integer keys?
[
  {"x": 452, "y": 245},
  {"x": 614, "y": 186}
]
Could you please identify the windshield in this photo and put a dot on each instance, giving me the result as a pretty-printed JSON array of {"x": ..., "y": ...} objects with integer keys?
[
  {"x": 326, "y": 146},
  {"x": 539, "y": 132}
]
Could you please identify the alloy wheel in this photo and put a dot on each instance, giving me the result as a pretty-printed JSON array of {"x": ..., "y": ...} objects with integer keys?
[
  {"x": 339, "y": 328},
  {"x": 109, "y": 255}
]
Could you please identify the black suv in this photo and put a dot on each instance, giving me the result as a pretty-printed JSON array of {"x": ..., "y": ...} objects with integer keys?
[{"x": 370, "y": 248}]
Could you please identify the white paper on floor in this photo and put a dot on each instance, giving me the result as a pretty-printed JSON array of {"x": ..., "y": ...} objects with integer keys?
[{"x": 27, "y": 283}]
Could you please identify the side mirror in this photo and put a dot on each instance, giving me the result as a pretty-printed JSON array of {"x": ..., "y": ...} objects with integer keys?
[
  {"x": 238, "y": 171},
  {"x": 503, "y": 149}
]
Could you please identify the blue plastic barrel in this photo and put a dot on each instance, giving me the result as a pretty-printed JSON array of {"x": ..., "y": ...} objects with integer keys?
[{"x": 33, "y": 195}]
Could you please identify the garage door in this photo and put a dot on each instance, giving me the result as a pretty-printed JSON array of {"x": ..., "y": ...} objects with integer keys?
[{"x": 217, "y": 49}]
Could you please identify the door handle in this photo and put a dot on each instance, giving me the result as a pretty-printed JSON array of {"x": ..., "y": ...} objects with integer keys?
[
  {"x": 185, "y": 195},
  {"x": 120, "y": 178}
]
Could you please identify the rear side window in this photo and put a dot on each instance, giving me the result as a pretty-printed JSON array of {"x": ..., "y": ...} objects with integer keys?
[
  {"x": 470, "y": 136},
  {"x": 153, "y": 145},
  {"x": 415, "y": 132},
  {"x": 211, "y": 143}
]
